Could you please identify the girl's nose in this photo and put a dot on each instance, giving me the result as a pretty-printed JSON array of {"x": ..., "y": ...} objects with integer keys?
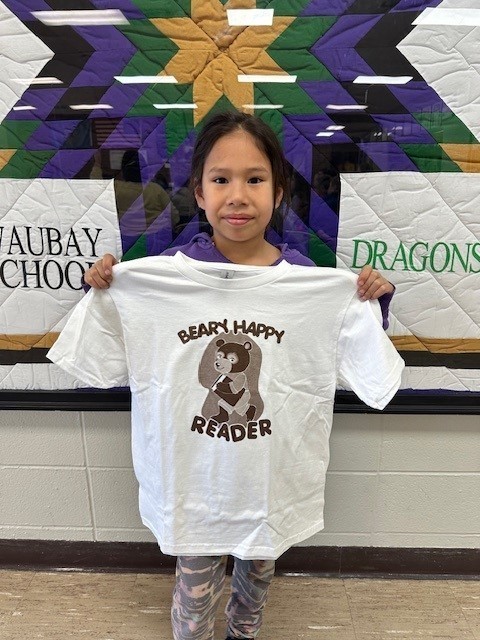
[{"x": 237, "y": 193}]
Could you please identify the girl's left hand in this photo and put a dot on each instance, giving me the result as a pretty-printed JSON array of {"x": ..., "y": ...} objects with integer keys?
[{"x": 371, "y": 284}]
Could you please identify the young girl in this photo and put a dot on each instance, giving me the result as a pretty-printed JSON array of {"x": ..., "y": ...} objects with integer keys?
[
  {"x": 228, "y": 135},
  {"x": 239, "y": 178}
]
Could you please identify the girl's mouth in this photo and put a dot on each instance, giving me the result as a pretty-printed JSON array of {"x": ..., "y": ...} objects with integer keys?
[{"x": 237, "y": 221}]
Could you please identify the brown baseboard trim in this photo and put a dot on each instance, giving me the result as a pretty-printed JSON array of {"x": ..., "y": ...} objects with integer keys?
[
  {"x": 387, "y": 562},
  {"x": 341, "y": 562}
]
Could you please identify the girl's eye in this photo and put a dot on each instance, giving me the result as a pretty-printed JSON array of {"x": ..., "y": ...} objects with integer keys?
[
  {"x": 255, "y": 180},
  {"x": 220, "y": 180}
]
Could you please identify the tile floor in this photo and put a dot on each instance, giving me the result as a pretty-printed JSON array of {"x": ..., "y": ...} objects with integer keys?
[{"x": 100, "y": 606}]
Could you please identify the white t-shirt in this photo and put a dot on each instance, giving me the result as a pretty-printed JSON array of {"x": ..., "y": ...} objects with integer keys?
[{"x": 233, "y": 371}]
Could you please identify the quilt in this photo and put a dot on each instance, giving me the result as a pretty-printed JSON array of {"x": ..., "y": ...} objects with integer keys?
[{"x": 376, "y": 104}]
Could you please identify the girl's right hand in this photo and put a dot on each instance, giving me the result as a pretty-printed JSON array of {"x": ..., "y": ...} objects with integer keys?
[{"x": 100, "y": 275}]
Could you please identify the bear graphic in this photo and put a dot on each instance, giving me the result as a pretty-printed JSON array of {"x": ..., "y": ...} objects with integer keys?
[
  {"x": 231, "y": 386},
  {"x": 230, "y": 369}
]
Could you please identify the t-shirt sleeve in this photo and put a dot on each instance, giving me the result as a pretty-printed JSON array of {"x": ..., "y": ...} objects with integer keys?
[
  {"x": 91, "y": 346},
  {"x": 367, "y": 362}
]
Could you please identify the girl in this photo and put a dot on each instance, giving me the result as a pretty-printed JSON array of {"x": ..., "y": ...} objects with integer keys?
[
  {"x": 228, "y": 135},
  {"x": 239, "y": 178}
]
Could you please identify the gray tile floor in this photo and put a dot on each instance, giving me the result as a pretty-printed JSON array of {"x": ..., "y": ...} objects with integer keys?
[{"x": 100, "y": 606}]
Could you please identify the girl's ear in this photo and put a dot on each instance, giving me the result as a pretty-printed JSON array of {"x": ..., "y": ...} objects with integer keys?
[
  {"x": 279, "y": 197},
  {"x": 198, "y": 193}
]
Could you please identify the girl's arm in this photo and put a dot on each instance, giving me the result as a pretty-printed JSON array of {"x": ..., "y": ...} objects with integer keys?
[
  {"x": 100, "y": 275},
  {"x": 372, "y": 286}
]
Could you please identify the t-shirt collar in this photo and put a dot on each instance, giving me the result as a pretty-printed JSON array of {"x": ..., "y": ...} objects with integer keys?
[{"x": 221, "y": 275}]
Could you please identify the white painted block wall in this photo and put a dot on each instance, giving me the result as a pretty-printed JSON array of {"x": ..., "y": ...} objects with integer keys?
[{"x": 393, "y": 481}]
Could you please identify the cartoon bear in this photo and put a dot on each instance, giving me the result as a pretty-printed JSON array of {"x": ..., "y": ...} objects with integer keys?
[
  {"x": 230, "y": 370},
  {"x": 231, "y": 362}
]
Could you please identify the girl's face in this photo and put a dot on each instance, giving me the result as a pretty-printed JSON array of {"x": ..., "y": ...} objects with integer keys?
[{"x": 236, "y": 191}]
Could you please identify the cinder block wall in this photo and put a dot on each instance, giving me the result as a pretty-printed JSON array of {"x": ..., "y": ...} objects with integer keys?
[{"x": 393, "y": 481}]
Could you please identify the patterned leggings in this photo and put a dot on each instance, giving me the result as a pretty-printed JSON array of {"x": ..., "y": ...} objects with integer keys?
[{"x": 198, "y": 587}]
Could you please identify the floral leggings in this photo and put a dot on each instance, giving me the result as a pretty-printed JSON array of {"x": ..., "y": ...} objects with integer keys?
[{"x": 199, "y": 585}]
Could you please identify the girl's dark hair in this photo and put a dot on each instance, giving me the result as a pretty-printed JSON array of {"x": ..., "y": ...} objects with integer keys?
[{"x": 226, "y": 122}]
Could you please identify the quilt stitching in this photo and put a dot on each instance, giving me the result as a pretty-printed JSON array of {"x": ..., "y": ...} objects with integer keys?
[{"x": 473, "y": 321}]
